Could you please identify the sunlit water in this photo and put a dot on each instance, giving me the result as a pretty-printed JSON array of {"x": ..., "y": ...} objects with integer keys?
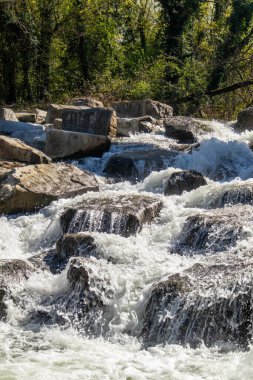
[{"x": 33, "y": 352}]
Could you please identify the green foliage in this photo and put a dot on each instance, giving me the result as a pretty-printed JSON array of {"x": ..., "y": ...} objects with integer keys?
[{"x": 178, "y": 51}]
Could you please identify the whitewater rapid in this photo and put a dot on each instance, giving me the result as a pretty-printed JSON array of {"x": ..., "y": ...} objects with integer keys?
[{"x": 31, "y": 352}]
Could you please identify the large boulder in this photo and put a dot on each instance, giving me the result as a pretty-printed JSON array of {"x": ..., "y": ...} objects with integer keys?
[
  {"x": 144, "y": 124},
  {"x": 34, "y": 116},
  {"x": 181, "y": 181},
  {"x": 138, "y": 164},
  {"x": 138, "y": 108},
  {"x": 11, "y": 272},
  {"x": 245, "y": 120},
  {"x": 31, "y": 134},
  {"x": 13, "y": 149},
  {"x": 122, "y": 215},
  {"x": 185, "y": 129},
  {"x": 96, "y": 121},
  {"x": 214, "y": 231},
  {"x": 88, "y": 102},
  {"x": 7, "y": 114},
  {"x": 209, "y": 303},
  {"x": 32, "y": 187},
  {"x": 60, "y": 144},
  {"x": 55, "y": 111}
]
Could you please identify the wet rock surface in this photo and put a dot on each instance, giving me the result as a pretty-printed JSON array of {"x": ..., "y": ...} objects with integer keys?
[
  {"x": 121, "y": 215},
  {"x": 214, "y": 231},
  {"x": 185, "y": 129},
  {"x": 137, "y": 164},
  {"x": 209, "y": 303},
  {"x": 182, "y": 181},
  {"x": 32, "y": 187},
  {"x": 11, "y": 271}
]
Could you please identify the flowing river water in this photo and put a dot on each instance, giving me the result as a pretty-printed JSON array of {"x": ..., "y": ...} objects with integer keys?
[{"x": 35, "y": 351}]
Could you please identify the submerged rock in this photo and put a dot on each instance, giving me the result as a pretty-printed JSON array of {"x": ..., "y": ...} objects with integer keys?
[
  {"x": 11, "y": 271},
  {"x": 32, "y": 187},
  {"x": 185, "y": 129},
  {"x": 78, "y": 244},
  {"x": 13, "y": 149},
  {"x": 209, "y": 303},
  {"x": 214, "y": 231},
  {"x": 138, "y": 164},
  {"x": 182, "y": 181},
  {"x": 122, "y": 215},
  {"x": 138, "y": 108},
  {"x": 232, "y": 195},
  {"x": 62, "y": 144}
]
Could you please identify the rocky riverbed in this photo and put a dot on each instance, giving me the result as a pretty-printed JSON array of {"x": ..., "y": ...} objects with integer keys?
[{"x": 142, "y": 270}]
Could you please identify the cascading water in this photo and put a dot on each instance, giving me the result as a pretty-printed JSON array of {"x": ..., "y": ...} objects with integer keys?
[{"x": 54, "y": 329}]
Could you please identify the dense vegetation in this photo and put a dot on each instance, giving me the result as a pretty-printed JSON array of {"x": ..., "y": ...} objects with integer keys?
[{"x": 193, "y": 54}]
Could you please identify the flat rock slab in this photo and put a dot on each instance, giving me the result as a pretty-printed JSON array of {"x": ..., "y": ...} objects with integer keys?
[
  {"x": 122, "y": 215},
  {"x": 182, "y": 181},
  {"x": 209, "y": 303},
  {"x": 32, "y": 187},
  {"x": 138, "y": 108},
  {"x": 186, "y": 129},
  {"x": 96, "y": 121},
  {"x": 31, "y": 134},
  {"x": 17, "y": 150},
  {"x": 138, "y": 164},
  {"x": 214, "y": 231},
  {"x": 11, "y": 271},
  {"x": 60, "y": 144}
]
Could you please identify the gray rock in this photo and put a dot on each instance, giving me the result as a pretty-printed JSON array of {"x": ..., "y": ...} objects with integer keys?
[
  {"x": 60, "y": 144},
  {"x": 122, "y": 215},
  {"x": 214, "y": 231},
  {"x": 11, "y": 271},
  {"x": 57, "y": 124},
  {"x": 144, "y": 124},
  {"x": 185, "y": 129},
  {"x": 245, "y": 120},
  {"x": 209, "y": 303},
  {"x": 182, "y": 181},
  {"x": 96, "y": 121},
  {"x": 26, "y": 117},
  {"x": 138, "y": 164},
  {"x": 55, "y": 111},
  {"x": 72, "y": 245},
  {"x": 31, "y": 187},
  {"x": 138, "y": 108}
]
